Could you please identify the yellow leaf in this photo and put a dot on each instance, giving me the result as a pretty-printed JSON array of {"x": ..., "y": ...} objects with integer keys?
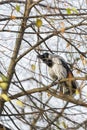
[
  {"x": 3, "y": 82},
  {"x": 19, "y": 103},
  {"x": 64, "y": 124},
  {"x": 62, "y": 29},
  {"x": 3, "y": 85},
  {"x": 77, "y": 92},
  {"x": 84, "y": 62},
  {"x": 78, "y": 71},
  {"x": 33, "y": 67},
  {"x": 12, "y": 17},
  {"x": 68, "y": 45},
  {"x": 83, "y": 59},
  {"x": 48, "y": 95},
  {"x": 38, "y": 23},
  {"x": 5, "y": 97}
]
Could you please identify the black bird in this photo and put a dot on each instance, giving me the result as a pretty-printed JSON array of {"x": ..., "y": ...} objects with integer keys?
[{"x": 59, "y": 69}]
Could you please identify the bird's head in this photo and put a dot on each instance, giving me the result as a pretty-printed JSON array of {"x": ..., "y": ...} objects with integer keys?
[{"x": 46, "y": 58}]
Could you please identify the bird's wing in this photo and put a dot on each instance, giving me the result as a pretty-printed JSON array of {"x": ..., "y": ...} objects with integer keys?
[
  {"x": 60, "y": 60},
  {"x": 72, "y": 84},
  {"x": 58, "y": 68},
  {"x": 65, "y": 65}
]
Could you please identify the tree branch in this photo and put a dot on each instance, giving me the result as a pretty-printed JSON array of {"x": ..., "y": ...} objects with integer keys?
[{"x": 12, "y": 65}]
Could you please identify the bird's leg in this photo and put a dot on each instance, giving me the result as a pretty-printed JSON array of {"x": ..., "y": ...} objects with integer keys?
[
  {"x": 69, "y": 88},
  {"x": 61, "y": 89},
  {"x": 58, "y": 86},
  {"x": 66, "y": 88},
  {"x": 54, "y": 82}
]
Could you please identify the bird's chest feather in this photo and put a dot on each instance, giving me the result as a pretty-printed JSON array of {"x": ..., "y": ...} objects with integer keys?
[
  {"x": 57, "y": 71},
  {"x": 52, "y": 73}
]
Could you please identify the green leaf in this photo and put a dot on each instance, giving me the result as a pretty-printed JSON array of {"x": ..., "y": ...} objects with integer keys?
[
  {"x": 74, "y": 10},
  {"x": 69, "y": 11},
  {"x": 17, "y": 8}
]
